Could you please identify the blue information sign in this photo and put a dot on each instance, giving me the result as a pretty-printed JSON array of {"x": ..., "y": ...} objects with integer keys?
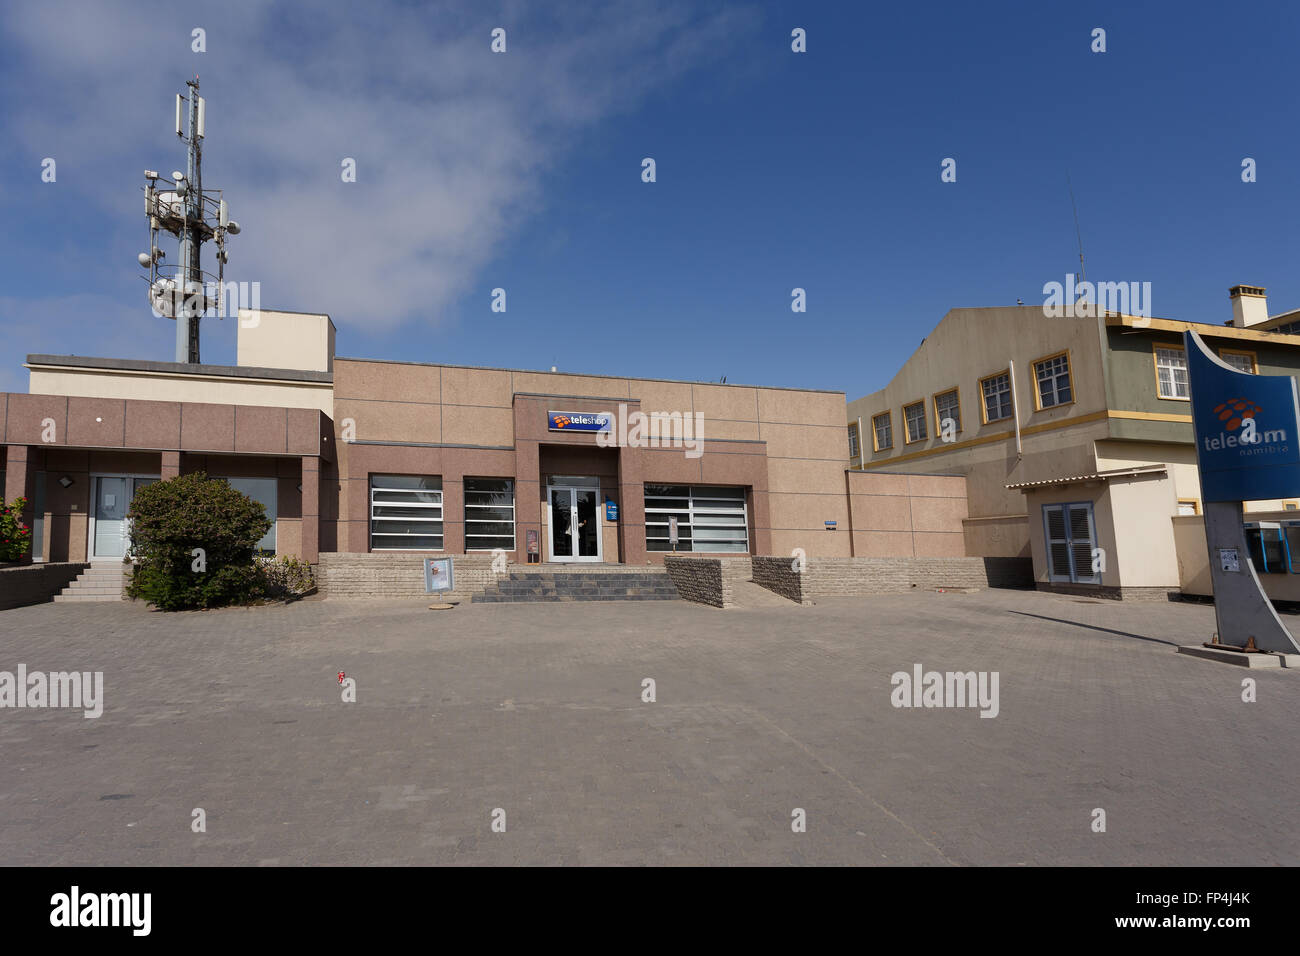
[
  {"x": 1247, "y": 446},
  {"x": 578, "y": 421},
  {"x": 611, "y": 510}
]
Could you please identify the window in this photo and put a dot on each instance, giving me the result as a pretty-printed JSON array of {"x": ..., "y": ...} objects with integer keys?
[
  {"x": 882, "y": 428},
  {"x": 1053, "y": 377},
  {"x": 1188, "y": 506},
  {"x": 853, "y": 441},
  {"x": 263, "y": 491},
  {"x": 1070, "y": 536},
  {"x": 708, "y": 519},
  {"x": 1241, "y": 361},
  {"x": 996, "y": 390},
  {"x": 489, "y": 514},
  {"x": 1171, "y": 373},
  {"x": 1291, "y": 506},
  {"x": 947, "y": 405},
  {"x": 914, "y": 417},
  {"x": 405, "y": 513}
]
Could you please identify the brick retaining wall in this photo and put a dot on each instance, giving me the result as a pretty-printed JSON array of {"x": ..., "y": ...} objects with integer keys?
[
  {"x": 708, "y": 581},
  {"x": 377, "y": 575},
  {"x": 857, "y": 576},
  {"x": 36, "y": 583}
]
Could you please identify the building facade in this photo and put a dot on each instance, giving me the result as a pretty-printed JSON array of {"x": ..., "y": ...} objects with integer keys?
[
  {"x": 360, "y": 456},
  {"x": 1074, "y": 435}
]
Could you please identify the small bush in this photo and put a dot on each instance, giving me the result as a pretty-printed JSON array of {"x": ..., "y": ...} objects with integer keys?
[
  {"x": 172, "y": 518},
  {"x": 286, "y": 577},
  {"x": 15, "y": 537}
]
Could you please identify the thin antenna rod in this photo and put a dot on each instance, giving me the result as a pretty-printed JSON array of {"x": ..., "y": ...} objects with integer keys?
[{"x": 1083, "y": 273}]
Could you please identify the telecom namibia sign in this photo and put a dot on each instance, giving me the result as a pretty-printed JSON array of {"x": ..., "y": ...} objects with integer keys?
[{"x": 1247, "y": 429}]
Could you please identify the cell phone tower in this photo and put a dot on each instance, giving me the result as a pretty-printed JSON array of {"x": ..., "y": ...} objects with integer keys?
[{"x": 193, "y": 217}]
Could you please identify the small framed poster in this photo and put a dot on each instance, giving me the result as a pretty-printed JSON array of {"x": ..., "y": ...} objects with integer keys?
[{"x": 439, "y": 575}]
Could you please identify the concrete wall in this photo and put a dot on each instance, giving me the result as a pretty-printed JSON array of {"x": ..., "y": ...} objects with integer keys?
[
  {"x": 267, "y": 339},
  {"x": 165, "y": 386},
  {"x": 896, "y": 515},
  {"x": 35, "y": 583}
]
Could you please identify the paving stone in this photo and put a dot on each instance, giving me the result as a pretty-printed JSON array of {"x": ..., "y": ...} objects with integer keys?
[{"x": 536, "y": 709}]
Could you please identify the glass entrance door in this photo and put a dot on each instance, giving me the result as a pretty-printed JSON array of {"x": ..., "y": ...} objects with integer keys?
[
  {"x": 110, "y": 533},
  {"x": 574, "y": 531}
]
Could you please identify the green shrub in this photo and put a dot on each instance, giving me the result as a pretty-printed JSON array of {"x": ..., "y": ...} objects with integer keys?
[
  {"x": 172, "y": 518},
  {"x": 15, "y": 537},
  {"x": 286, "y": 577}
]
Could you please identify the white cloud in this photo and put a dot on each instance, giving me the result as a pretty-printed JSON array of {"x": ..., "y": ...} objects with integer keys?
[{"x": 451, "y": 141}]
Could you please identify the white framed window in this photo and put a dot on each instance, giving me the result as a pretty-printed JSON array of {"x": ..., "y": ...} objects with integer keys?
[
  {"x": 1070, "y": 535},
  {"x": 489, "y": 514},
  {"x": 947, "y": 405},
  {"x": 996, "y": 390},
  {"x": 1054, "y": 385},
  {"x": 1171, "y": 373},
  {"x": 709, "y": 519},
  {"x": 405, "y": 512},
  {"x": 853, "y": 441},
  {"x": 914, "y": 418},
  {"x": 1241, "y": 361}
]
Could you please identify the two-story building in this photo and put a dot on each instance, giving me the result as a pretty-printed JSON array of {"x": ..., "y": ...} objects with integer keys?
[{"x": 1074, "y": 435}]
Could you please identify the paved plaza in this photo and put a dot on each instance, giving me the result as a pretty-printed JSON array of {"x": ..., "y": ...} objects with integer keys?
[{"x": 537, "y": 710}]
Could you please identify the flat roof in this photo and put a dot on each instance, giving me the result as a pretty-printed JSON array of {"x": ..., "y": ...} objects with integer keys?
[
  {"x": 624, "y": 378},
  {"x": 180, "y": 368}
]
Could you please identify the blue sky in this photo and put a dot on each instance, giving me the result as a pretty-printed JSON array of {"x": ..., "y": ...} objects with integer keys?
[{"x": 522, "y": 171}]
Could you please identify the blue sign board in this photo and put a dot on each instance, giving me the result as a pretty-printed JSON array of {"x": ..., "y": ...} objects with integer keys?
[
  {"x": 578, "y": 421},
  {"x": 611, "y": 510},
  {"x": 1247, "y": 429}
]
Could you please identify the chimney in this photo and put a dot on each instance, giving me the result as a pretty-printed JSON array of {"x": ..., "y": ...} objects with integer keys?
[{"x": 1249, "y": 305}]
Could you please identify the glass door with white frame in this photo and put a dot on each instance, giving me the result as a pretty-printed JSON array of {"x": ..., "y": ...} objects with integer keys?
[
  {"x": 110, "y": 531},
  {"x": 574, "y": 531}
]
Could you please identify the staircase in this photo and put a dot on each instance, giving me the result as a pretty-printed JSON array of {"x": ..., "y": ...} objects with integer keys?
[
  {"x": 99, "y": 582},
  {"x": 551, "y": 586}
]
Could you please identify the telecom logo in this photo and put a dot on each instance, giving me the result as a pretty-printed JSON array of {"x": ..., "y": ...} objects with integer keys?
[
  {"x": 1239, "y": 414},
  {"x": 1235, "y": 411}
]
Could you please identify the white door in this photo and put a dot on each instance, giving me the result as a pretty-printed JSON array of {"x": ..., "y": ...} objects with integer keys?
[
  {"x": 574, "y": 528},
  {"x": 109, "y": 534}
]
